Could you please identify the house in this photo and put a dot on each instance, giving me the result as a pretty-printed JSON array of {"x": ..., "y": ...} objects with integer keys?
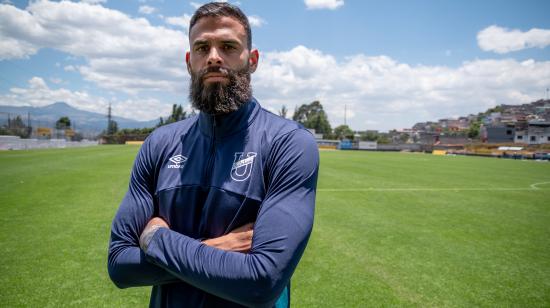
[
  {"x": 463, "y": 123},
  {"x": 492, "y": 119},
  {"x": 535, "y": 133},
  {"x": 425, "y": 127}
]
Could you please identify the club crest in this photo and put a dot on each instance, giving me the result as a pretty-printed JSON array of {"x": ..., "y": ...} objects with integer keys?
[{"x": 242, "y": 166}]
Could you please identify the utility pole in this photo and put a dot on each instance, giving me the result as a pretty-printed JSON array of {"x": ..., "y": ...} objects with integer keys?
[
  {"x": 109, "y": 119},
  {"x": 29, "y": 128}
]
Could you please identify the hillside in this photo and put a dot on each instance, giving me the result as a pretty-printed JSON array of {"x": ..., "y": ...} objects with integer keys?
[{"x": 83, "y": 121}]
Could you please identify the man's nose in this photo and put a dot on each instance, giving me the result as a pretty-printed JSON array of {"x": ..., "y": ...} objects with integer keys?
[{"x": 214, "y": 57}]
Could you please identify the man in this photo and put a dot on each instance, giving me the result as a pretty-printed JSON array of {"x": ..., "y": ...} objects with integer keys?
[{"x": 194, "y": 181}]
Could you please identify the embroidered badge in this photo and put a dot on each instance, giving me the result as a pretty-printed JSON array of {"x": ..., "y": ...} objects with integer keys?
[
  {"x": 242, "y": 166},
  {"x": 178, "y": 161}
]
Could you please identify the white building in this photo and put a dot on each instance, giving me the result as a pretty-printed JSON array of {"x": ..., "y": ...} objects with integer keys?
[{"x": 536, "y": 133}]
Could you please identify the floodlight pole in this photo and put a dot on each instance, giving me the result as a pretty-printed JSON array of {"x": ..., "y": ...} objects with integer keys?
[{"x": 346, "y": 114}]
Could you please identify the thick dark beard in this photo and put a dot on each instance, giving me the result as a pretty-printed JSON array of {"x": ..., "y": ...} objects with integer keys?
[{"x": 217, "y": 98}]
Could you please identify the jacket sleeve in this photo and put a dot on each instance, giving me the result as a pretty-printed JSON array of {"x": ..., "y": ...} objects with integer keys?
[
  {"x": 281, "y": 232},
  {"x": 127, "y": 264}
]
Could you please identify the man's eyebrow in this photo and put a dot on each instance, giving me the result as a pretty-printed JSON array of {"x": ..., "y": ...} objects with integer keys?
[
  {"x": 200, "y": 42},
  {"x": 234, "y": 42}
]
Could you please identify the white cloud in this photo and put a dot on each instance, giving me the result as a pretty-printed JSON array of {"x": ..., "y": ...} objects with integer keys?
[
  {"x": 379, "y": 87},
  {"x": 179, "y": 21},
  {"x": 131, "y": 57},
  {"x": 56, "y": 80},
  {"x": 503, "y": 40},
  {"x": 14, "y": 34},
  {"x": 136, "y": 57},
  {"x": 323, "y": 4},
  {"x": 195, "y": 5},
  {"x": 256, "y": 21},
  {"x": 93, "y": 1},
  {"x": 38, "y": 93},
  {"x": 145, "y": 9}
]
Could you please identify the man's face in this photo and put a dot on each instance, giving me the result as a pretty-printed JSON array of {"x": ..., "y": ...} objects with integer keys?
[{"x": 220, "y": 65}]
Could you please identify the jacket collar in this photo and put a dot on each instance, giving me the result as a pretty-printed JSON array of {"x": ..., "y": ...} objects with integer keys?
[{"x": 219, "y": 126}]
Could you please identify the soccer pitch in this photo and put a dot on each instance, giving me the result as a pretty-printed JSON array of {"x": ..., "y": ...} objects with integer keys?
[{"x": 391, "y": 229}]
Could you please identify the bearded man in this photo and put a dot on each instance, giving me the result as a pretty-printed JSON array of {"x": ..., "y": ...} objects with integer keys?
[{"x": 220, "y": 206}]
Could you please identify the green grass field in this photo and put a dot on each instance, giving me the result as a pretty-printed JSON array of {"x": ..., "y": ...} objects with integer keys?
[{"x": 391, "y": 229}]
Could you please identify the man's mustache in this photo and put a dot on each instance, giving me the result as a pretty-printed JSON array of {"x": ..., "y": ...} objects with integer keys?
[{"x": 215, "y": 69}]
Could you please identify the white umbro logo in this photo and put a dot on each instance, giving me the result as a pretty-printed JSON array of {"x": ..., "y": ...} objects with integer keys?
[{"x": 178, "y": 160}]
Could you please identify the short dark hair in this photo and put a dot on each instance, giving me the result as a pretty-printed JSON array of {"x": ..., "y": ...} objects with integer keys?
[{"x": 219, "y": 9}]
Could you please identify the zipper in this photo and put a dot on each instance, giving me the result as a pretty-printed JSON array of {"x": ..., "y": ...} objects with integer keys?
[{"x": 210, "y": 162}]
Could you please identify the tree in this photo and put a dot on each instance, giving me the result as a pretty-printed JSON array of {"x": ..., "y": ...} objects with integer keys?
[
  {"x": 404, "y": 137},
  {"x": 177, "y": 115},
  {"x": 313, "y": 116},
  {"x": 495, "y": 109},
  {"x": 283, "y": 111},
  {"x": 343, "y": 132},
  {"x": 63, "y": 123},
  {"x": 369, "y": 136},
  {"x": 383, "y": 139},
  {"x": 473, "y": 131},
  {"x": 16, "y": 123},
  {"x": 16, "y": 127}
]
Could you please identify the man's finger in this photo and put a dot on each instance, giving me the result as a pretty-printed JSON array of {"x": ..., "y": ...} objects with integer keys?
[{"x": 248, "y": 226}]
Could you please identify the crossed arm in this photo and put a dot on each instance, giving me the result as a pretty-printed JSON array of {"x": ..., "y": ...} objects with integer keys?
[
  {"x": 238, "y": 240},
  {"x": 216, "y": 266}
]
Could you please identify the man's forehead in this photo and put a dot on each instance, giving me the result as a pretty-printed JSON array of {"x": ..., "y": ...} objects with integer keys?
[{"x": 214, "y": 27}]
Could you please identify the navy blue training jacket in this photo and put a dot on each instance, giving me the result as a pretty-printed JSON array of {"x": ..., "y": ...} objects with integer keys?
[{"x": 206, "y": 176}]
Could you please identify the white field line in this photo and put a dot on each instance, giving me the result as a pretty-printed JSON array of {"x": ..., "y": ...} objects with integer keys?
[
  {"x": 532, "y": 187},
  {"x": 536, "y": 185}
]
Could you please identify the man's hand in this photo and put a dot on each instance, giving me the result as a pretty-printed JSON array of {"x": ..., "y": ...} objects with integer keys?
[
  {"x": 238, "y": 240},
  {"x": 152, "y": 226}
]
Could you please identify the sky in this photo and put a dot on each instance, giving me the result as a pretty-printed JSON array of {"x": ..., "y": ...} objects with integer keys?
[{"x": 377, "y": 65}]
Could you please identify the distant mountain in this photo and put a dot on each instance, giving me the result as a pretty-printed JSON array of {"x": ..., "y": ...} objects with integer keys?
[{"x": 84, "y": 121}]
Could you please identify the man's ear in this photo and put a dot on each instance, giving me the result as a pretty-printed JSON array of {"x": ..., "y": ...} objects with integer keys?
[
  {"x": 253, "y": 60},
  {"x": 187, "y": 59}
]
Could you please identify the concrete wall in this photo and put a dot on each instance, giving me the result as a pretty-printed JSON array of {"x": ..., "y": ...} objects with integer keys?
[
  {"x": 368, "y": 145},
  {"x": 500, "y": 134},
  {"x": 400, "y": 147},
  {"x": 16, "y": 143}
]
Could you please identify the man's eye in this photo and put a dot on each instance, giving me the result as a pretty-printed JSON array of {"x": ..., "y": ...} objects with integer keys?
[
  {"x": 201, "y": 48},
  {"x": 229, "y": 47}
]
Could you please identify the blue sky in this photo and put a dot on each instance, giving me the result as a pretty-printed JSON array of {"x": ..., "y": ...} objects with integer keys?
[{"x": 392, "y": 63}]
